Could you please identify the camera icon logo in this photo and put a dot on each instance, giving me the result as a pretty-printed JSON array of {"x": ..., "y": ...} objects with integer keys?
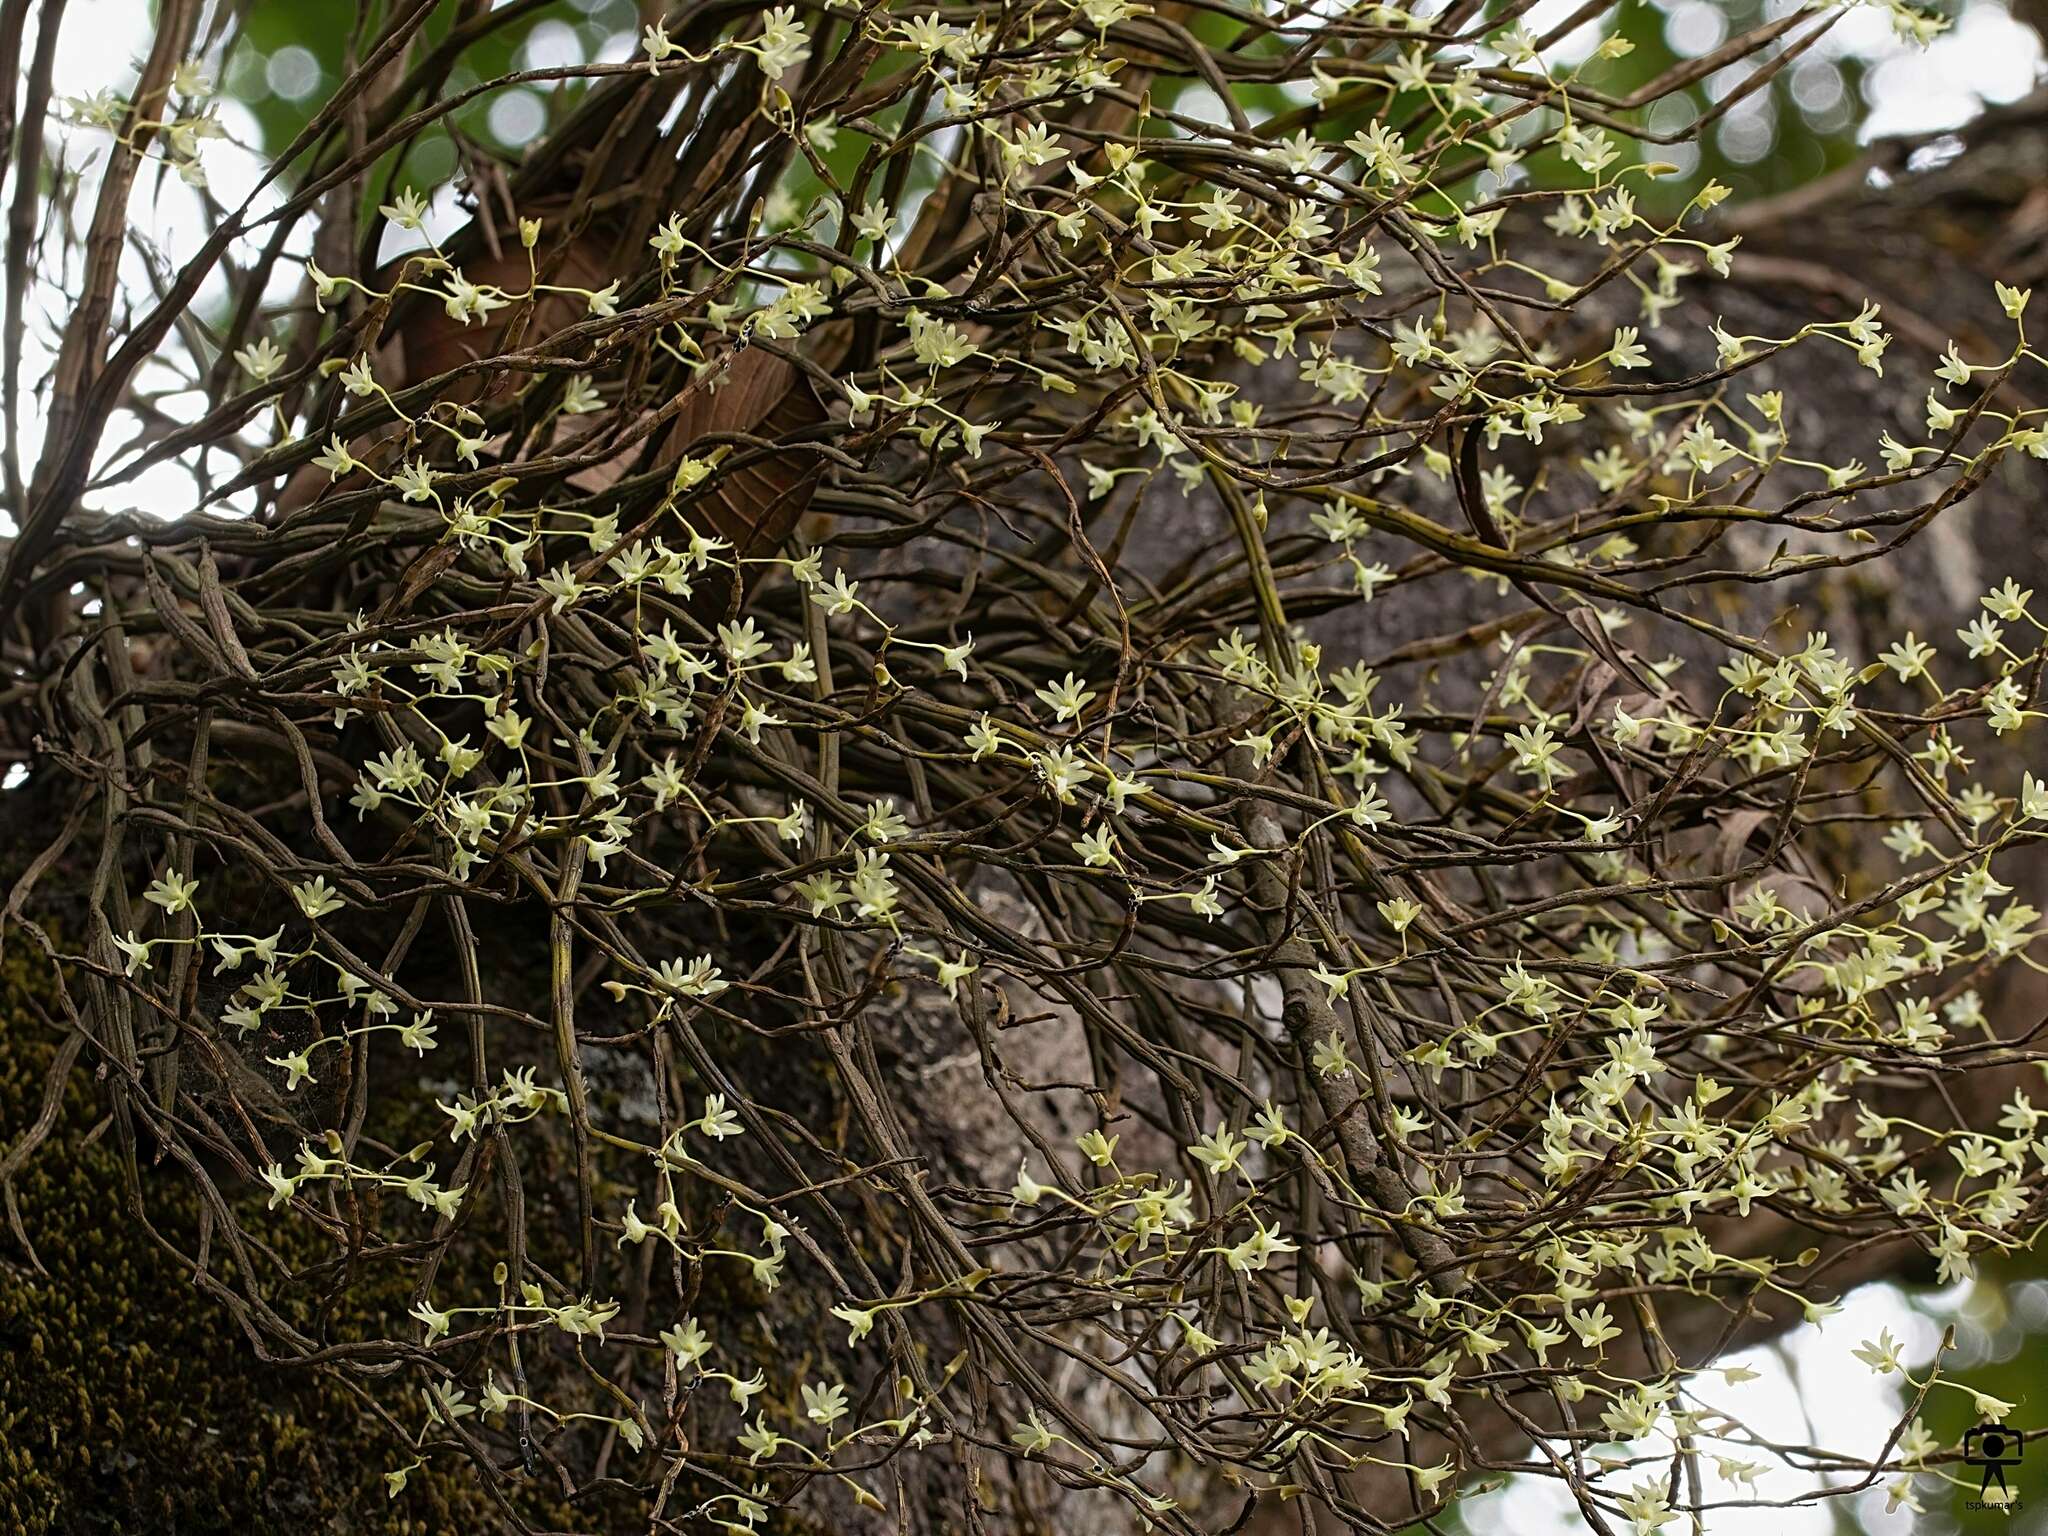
[{"x": 1991, "y": 1448}]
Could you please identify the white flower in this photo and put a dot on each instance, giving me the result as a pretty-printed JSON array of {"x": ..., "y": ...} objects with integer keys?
[
  {"x": 824, "y": 1405},
  {"x": 316, "y": 898},
  {"x": 1627, "y": 352},
  {"x": 1066, "y": 698},
  {"x": 419, "y": 1034},
  {"x": 414, "y": 480},
  {"x": 1880, "y": 1354},
  {"x": 173, "y": 892},
  {"x": 1218, "y": 1151},
  {"x": 783, "y": 43},
  {"x": 1032, "y": 1436},
  {"x": 656, "y": 43},
  {"x": 2033, "y": 804},
  {"x": 875, "y": 222},
  {"x": 686, "y": 1341},
  {"x": 436, "y": 1321},
  {"x": 1027, "y": 1190},
  {"x": 334, "y": 458},
  {"x": 718, "y": 1122},
  {"x": 261, "y": 360},
  {"x": 466, "y": 301},
  {"x": 407, "y": 211}
]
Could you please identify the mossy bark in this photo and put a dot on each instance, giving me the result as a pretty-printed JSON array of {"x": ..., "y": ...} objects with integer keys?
[{"x": 127, "y": 1401}]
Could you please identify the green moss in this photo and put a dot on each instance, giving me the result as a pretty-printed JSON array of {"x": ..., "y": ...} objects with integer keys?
[{"x": 128, "y": 1401}]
